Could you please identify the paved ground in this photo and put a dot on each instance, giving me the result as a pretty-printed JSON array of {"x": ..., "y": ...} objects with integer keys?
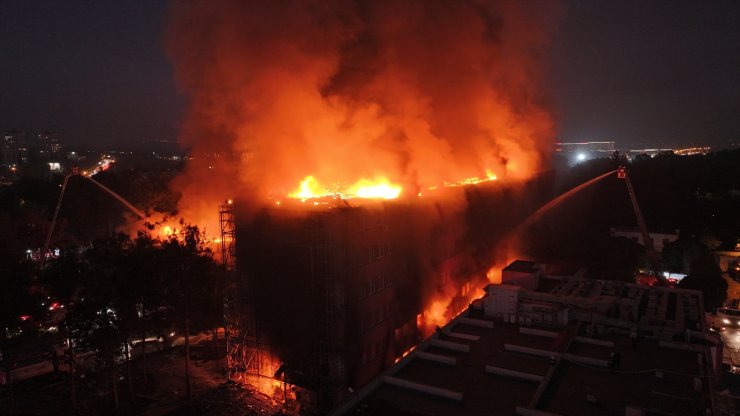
[
  {"x": 160, "y": 392},
  {"x": 731, "y": 336}
]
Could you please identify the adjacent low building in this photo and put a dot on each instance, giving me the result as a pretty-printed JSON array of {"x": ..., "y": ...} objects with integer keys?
[{"x": 570, "y": 346}]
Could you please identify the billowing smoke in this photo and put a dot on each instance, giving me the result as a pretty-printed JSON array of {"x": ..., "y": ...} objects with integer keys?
[{"x": 421, "y": 93}]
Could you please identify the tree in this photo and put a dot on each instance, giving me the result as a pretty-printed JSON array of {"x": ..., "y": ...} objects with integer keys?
[
  {"x": 706, "y": 276},
  {"x": 191, "y": 284},
  {"x": 144, "y": 271},
  {"x": 678, "y": 255},
  {"x": 103, "y": 303},
  {"x": 94, "y": 325}
]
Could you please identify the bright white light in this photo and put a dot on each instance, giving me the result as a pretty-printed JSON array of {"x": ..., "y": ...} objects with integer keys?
[
  {"x": 581, "y": 157},
  {"x": 725, "y": 321}
]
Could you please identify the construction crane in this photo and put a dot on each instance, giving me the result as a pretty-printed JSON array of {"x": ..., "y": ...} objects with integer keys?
[{"x": 647, "y": 241}]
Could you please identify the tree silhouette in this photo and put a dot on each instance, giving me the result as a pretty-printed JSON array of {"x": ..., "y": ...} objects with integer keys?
[{"x": 706, "y": 276}]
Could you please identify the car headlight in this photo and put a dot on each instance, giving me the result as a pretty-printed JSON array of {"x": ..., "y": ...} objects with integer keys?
[{"x": 725, "y": 321}]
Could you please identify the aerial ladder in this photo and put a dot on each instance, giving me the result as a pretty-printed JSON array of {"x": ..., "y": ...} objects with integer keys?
[
  {"x": 76, "y": 172},
  {"x": 652, "y": 255}
]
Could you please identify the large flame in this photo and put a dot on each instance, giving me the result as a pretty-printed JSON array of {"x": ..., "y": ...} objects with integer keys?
[
  {"x": 377, "y": 99},
  {"x": 312, "y": 99},
  {"x": 379, "y": 188}
]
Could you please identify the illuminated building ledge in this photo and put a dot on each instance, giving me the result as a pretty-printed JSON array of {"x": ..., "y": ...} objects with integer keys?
[
  {"x": 464, "y": 336},
  {"x": 436, "y": 357},
  {"x": 513, "y": 373},
  {"x": 525, "y": 411},
  {"x": 448, "y": 345},
  {"x": 424, "y": 388}
]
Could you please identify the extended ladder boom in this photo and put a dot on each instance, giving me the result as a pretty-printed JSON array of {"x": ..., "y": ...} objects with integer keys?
[{"x": 647, "y": 241}]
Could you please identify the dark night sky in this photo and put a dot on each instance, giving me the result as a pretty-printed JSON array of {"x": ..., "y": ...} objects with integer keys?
[
  {"x": 644, "y": 72},
  {"x": 94, "y": 71},
  {"x": 648, "y": 71}
]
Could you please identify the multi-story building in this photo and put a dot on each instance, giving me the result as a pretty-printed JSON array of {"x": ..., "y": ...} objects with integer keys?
[
  {"x": 49, "y": 146},
  {"x": 321, "y": 286},
  {"x": 9, "y": 149},
  {"x": 576, "y": 152},
  {"x": 575, "y": 147},
  {"x": 329, "y": 293}
]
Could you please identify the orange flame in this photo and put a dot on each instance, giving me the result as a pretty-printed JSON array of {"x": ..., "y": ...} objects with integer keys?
[
  {"x": 436, "y": 313},
  {"x": 490, "y": 176},
  {"x": 404, "y": 354},
  {"x": 379, "y": 188}
]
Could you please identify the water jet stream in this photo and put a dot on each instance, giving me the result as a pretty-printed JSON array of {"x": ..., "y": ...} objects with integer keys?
[
  {"x": 118, "y": 197},
  {"x": 510, "y": 240},
  {"x": 59, "y": 205},
  {"x": 556, "y": 201}
]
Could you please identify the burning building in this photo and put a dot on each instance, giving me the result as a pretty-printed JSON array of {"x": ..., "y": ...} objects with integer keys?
[
  {"x": 330, "y": 296},
  {"x": 346, "y": 131},
  {"x": 323, "y": 288}
]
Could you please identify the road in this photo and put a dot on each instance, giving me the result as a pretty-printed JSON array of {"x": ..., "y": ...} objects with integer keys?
[{"x": 731, "y": 336}]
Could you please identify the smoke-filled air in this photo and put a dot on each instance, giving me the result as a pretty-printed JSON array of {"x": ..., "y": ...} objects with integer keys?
[{"x": 374, "y": 99}]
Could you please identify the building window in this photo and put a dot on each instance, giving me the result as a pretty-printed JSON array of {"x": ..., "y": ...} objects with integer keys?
[
  {"x": 380, "y": 220},
  {"x": 466, "y": 289},
  {"x": 387, "y": 280}
]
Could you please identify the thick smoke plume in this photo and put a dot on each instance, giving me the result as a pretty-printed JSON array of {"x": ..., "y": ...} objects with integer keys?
[{"x": 418, "y": 92}]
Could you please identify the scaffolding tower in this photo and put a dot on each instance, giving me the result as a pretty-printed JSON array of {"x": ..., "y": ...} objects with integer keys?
[
  {"x": 232, "y": 321},
  {"x": 242, "y": 347},
  {"x": 228, "y": 259},
  {"x": 228, "y": 235}
]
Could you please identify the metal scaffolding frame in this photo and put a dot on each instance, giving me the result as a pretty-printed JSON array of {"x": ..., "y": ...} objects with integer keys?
[
  {"x": 232, "y": 321},
  {"x": 228, "y": 235},
  {"x": 242, "y": 345}
]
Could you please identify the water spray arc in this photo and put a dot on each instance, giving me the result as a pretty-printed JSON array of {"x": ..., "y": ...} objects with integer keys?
[
  {"x": 556, "y": 201},
  {"x": 652, "y": 255},
  {"x": 47, "y": 242},
  {"x": 118, "y": 197},
  {"x": 510, "y": 240}
]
